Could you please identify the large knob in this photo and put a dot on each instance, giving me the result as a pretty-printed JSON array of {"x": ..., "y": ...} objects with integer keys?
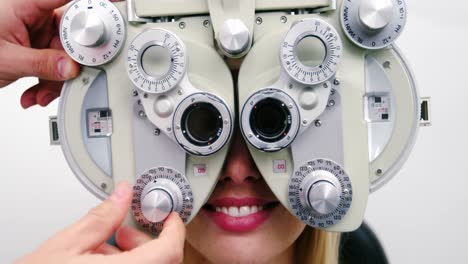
[
  {"x": 322, "y": 196},
  {"x": 88, "y": 29},
  {"x": 376, "y": 14},
  {"x": 159, "y": 199},
  {"x": 157, "y": 193},
  {"x": 320, "y": 193},
  {"x": 92, "y": 32},
  {"x": 373, "y": 24},
  {"x": 234, "y": 38}
]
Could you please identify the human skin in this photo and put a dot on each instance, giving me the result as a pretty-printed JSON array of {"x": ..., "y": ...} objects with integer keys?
[
  {"x": 272, "y": 241},
  {"x": 30, "y": 46},
  {"x": 85, "y": 241}
]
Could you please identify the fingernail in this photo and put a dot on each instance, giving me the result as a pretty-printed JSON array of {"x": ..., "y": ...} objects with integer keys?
[
  {"x": 47, "y": 99},
  {"x": 120, "y": 192},
  {"x": 65, "y": 68}
]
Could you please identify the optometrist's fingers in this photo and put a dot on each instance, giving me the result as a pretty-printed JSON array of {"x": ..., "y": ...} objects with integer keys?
[
  {"x": 42, "y": 94},
  {"x": 128, "y": 238},
  {"x": 47, "y": 64},
  {"x": 97, "y": 226},
  {"x": 167, "y": 248}
]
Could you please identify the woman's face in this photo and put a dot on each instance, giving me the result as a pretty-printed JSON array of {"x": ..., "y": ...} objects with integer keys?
[{"x": 242, "y": 221}]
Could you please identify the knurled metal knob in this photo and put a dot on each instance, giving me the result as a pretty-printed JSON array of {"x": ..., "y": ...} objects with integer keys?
[
  {"x": 322, "y": 196},
  {"x": 376, "y": 14},
  {"x": 88, "y": 29},
  {"x": 234, "y": 37},
  {"x": 156, "y": 205}
]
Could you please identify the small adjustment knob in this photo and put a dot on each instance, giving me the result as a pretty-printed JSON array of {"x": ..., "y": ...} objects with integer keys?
[
  {"x": 88, "y": 29},
  {"x": 156, "y": 205},
  {"x": 234, "y": 38},
  {"x": 323, "y": 197},
  {"x": 376, "y": 14},
  {"x": 320, "y": 193},
  {"x": 157, "y": 193}
]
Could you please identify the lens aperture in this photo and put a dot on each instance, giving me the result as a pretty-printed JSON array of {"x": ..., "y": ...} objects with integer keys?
[
  {"x": 201, "y": 124},
  {"x": 270, "y": 120}
]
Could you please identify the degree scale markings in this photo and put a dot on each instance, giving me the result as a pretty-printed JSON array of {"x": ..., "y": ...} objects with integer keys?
[
  {"x": 177, "y": 69},
  {"x": 332, "y": 44}
]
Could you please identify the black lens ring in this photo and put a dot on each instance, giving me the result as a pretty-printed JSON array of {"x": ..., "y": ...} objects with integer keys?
[
  {"x": 285, "y": 122},
  {"x": 191, "y": 136}
]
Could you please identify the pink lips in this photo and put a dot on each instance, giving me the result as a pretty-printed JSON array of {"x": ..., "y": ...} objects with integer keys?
[{"x": 245, "y": 223}]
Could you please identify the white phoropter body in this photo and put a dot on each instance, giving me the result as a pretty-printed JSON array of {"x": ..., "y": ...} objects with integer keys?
[{"x": 327, "y": 120}]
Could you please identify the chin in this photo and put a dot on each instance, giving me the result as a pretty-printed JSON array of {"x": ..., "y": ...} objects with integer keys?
[{"x": 267, "y": 243}]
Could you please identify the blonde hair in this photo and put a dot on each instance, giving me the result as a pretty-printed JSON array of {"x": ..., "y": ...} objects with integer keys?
[{"x": 317, "y": 246}]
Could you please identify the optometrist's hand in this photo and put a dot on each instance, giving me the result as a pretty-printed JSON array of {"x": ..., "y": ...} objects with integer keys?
[
  {"x": 85, "y": 241},
  {"x": 30, "y": 46}
]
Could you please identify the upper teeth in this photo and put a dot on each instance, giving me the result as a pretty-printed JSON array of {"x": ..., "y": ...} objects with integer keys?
[{"x": 235, "y": 211}]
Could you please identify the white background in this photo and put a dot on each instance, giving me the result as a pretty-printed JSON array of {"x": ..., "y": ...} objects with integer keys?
[{"x": 420, "y": 216}]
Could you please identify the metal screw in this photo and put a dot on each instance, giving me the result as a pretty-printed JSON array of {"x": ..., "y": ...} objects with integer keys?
[
  {"x": 182, "y": 25},
  {"x": 290, "y": 86},
  {"x": 206, "y": 23},
  {"x": 331, "y": 103},
  {"x": 103, "y": 185},
  {"x": 318, "y": 123},
  {"x": 226, "y": 122},
  {"x": 325, "y": 85},
  {"x": 283, "y": 19},
  {"x": 85, "y": 80},
  {"x": 135, "y": 93},
  {"x": 379, "y": 172},
  {"x": 142, "y": 114},
  {"x": 336, "y": 82},
  {"x": 139, "y": 102},
  {"x": 305, "y": 122},
  {"x": 290, "y": 106},
  {"x": 259, "y": 21},
  {"x": 387, "y": 65},
  {"x": 145, "y": 95},
  {"x": 169, "y": 129},
  {"x": 179, "y": 92},
  {"x": 346, "y": 191},
  {"x": 177, "y": 127},
  {"x": 332, "y": 92},
  {"x": 157, "y": 132},
  {"x": 250, "y": 135}
]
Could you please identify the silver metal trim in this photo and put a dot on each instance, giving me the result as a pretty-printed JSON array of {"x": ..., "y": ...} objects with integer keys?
[
  {"x": 247, "y": 130},
  {"x": 226, "y": 117}
]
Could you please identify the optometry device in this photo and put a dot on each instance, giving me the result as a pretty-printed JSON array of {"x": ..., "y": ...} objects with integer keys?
[{"x": 325, "y": 100}]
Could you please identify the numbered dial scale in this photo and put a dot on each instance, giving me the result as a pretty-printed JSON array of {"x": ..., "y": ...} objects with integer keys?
[
  {"x": 373, "y": 24},
  {"x": 156, "y": 61},
  {"x": 157, "y": 193},
  {"x": 327, "y": 35},
  {"x": 320, "y": 193},
  {"x": 92, "y": 32}
]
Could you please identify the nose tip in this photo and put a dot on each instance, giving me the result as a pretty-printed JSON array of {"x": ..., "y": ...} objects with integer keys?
[{"x": 239, "y": 166}]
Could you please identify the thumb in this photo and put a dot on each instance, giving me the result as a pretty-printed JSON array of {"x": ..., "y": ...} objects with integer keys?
[
  {"x": 98, "y": 225},
  {"x": 47, "y": 64}
]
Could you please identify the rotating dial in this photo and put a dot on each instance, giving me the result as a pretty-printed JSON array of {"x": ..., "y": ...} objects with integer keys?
[
  {"x": 92, "y": 32},
  {"x": 156, "y": 61},
  {"x": 157, "y": 193},
  {"x": 320, "y": 193},
  {"x": 311, "y": 37},
  {"x": 373, "y": 24}
]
